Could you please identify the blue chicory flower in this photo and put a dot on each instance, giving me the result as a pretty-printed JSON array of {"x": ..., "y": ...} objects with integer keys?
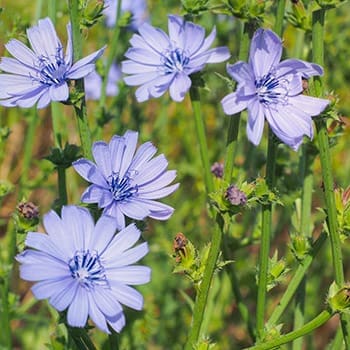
[
  {"x": 127, "y": 184},
  {"x": 273, "y": 90},
  {"x": 40, "y": 75},
  {"x": 93, "y": 83},
  {"x": 159, "y": 62},
  {"x": 85, "y": 267},
  {"x": 137, "y": 9}
]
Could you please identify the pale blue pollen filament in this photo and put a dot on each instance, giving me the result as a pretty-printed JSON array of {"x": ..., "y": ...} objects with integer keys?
[
  {"x": 121, "y": 188},
  {"x": 271, "y": 90},
  {"x": 175, "y": 60},
  {"x": 52, "y": 71},
  {"x": 86, "y": 267}
]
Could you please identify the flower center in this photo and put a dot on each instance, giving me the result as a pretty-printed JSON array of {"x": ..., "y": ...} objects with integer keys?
[
  {"x": 174, "y": 60},
  {"x": 121, "y": 188},
  {"x": 272, "y": 90},
  {"x": 52, "y": 71},
  {"x": 86, "y": 267}
]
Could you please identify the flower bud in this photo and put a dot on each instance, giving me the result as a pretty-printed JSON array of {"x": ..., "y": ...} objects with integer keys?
[
  {"x": 235, "y": 196},
  {"x": 339, "y": 298}
]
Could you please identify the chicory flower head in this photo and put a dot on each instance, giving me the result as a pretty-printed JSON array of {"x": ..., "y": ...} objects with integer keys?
[
  {"x": 40, "y": 75},
  {"x": 159, "y": 62},
  {"x": 273, "y": 90},
  {"x": 137, "y": 9},
  {"x": 126, "y": 183},
  {"x": 85, "y": 267}
]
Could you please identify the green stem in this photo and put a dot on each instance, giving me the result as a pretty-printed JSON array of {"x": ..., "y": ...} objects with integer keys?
[
  {"x": 202, "y": 295},
  {"x": 111, "y": 56},
  {"x": 266, "y": 230},
  {"x": 234, "y": 120},
  {"x": 113, "y": 340},
  {"x": 27, "y": 150},
  {"x": 299, "y": 310},
  {"x": 5, "y": 334},
  {"x": 38, "y": 10},
  {"x": 318, "y": 20},
  {"x": 52, "y": 10},
  {"x": 62, "y": 187},
  {"x": 278, "y": 27},
  {"x": 304, "y": 230},
  {"x": 295, "y": 281},
  {"x": 337, "y": 343},
  {"x": 80, "y": 108},
  {"x": 81, "y": 338},
  {"x": 318, "y": 321},
  {"x": 242, "y": 307},
  {"x": 202, "y": 140},
  {"x": 265, "y": 238}
]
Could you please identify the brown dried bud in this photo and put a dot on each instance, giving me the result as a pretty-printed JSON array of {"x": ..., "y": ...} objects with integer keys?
[
  {"x": 28, "y": 210},
  {"x": 179, "y": 245}
]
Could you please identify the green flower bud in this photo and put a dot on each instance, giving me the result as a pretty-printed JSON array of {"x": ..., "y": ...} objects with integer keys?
[{"x": 339, "y": 298}]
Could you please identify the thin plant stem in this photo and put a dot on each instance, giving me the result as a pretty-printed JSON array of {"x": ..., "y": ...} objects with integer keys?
[
  {"x": 242, "y": 307},
  {"x": 11, "y": 241},
  {"x": 307, "y": 185},
  {"x": 5, "y": 334},
  {"x": 318, "y": 20},
  {"x": 337, "y": 343},
  {"x": 111, "y": 56},
  {"x": 80, "y": 108},
  {"x": 62, "y": 187},
  {"x": 81, "y": 338},
  {"x": 38, "y": 9},
  {"x": 203, "y": 291},
  {"x": 234, "y": 120},
  {"x": 295, "y": 281},
  {"x": 267, "y": 208},
  {"x": 318, "y": 321},
  {"x": 202, "y": 140},
  {"x": 56, "y": 116},
  {"x": 28, "y": 149},
  {"x": 202, "y": 295},
  {"x": 113, "y": 339},
  {"x": 265, "y": 239}
]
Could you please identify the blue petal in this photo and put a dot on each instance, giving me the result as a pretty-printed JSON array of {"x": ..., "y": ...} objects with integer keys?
[
  {"x": 106, "y": 301},
  {"x": 265, "y": 52},
  {"x": 78, "y": 224},
  {"x": 43, "y": 39},
  {"x": 97, "y": 316},
  {"x": 79, "y": 70},
  {"x": 128, "y": 257},
  {"x": 78, "y": 310},
  {"x": 158, "y": 211},
  {"x": 134, "y": 209},
  {"x": 88, "y": 170},
  {"x": 47, "y": 288},
  {"x": 100, "y": 151},
  {"x": 21, "y": 52},
  {"x": 104, "y": 231},
  {"x": 256, "y": 121},
  {"x": 96, "y": 194},
  {"x": 179, "y": 87},
  {"x": 127, "y": 295},
  {"x": 59, "y": 92},
  {"x": 117, "y": 322},
  {"x": 131, "y": 275},
  {"x": 125, "y": 239},
  {"x": 155, "y": 38}
]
